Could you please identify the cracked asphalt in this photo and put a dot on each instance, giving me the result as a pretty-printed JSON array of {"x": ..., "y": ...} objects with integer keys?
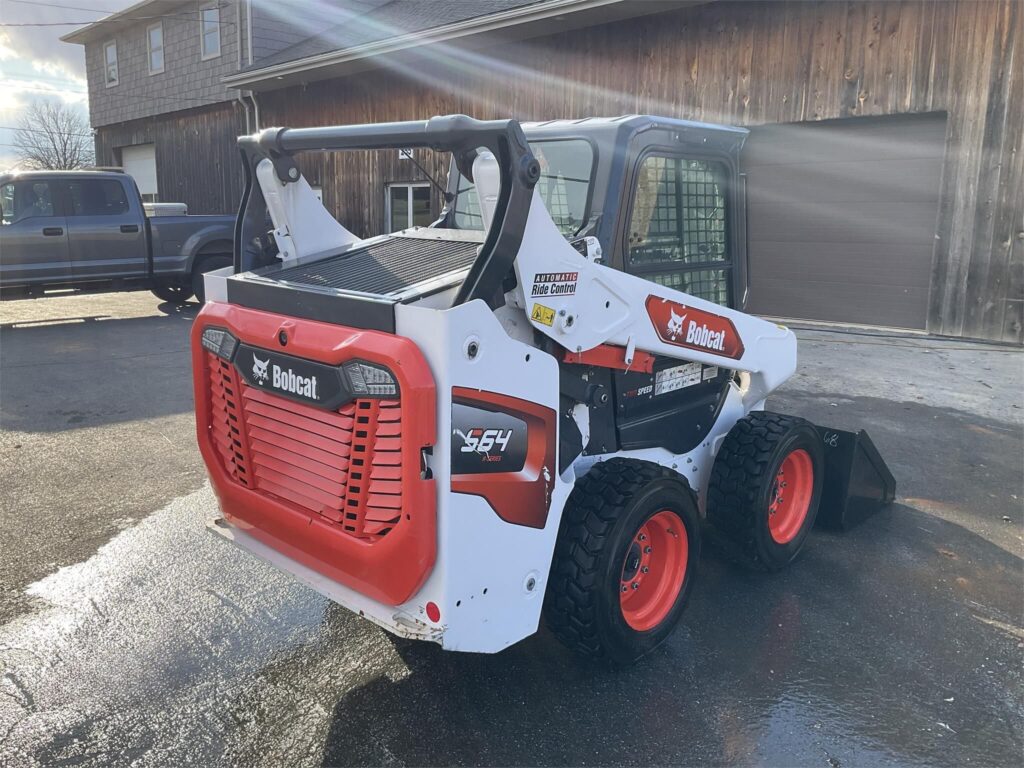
[{"x": 129, "y": 635}]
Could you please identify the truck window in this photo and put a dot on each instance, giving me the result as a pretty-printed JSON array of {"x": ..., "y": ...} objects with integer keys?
[
  {"x": 96, "y": 197},
  {"x": 7, "y": 203},
  {"x": 25, "y": 200},
  {"x": 566, "y": 166},
  {"x": 677, "y": 235}
]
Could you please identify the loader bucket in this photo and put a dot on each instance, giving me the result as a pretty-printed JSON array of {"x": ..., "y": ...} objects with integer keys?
[{"x": 857, "y": 481}]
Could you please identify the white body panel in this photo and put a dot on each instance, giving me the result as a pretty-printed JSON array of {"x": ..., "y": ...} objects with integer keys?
[{"x": 490, "y": 576}]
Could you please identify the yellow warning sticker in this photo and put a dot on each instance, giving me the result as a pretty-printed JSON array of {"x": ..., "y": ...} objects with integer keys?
[{"x": 542, "y": 314}]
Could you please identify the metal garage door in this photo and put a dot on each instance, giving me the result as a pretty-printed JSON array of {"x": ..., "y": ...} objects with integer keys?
[
  {"x": 140, "y": 162},
  {"x": 842, "y": 218}
]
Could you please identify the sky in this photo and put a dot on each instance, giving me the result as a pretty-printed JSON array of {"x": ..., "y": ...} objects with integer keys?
[{"x": 35, "y": 64}]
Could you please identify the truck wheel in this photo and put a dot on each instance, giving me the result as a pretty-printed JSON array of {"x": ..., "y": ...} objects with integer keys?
[
  {"x": 174, "y": 292},
  {"x": 765, "y": 486},
  {"x": 207, "y": 264},
  {"x": 624, "y": 561}
]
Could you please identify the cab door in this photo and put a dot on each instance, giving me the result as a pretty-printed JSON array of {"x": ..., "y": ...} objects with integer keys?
[
  {"x": 681, "y": 231},
  {"x": 33, "y": 235},
  {"x": 107, "y": 237}
]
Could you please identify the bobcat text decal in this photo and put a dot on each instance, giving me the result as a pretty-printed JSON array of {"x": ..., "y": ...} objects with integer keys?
[{"x": 694, "y": 328}]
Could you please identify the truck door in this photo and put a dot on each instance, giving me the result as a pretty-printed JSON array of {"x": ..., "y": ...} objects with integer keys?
[
  {"x": 106, "y": 230},
  {"x": 33, "y": 236},
  {"x": 679, "y": 231}
]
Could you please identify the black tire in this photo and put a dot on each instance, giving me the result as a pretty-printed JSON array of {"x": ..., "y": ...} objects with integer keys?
[
  {"x": 744, "y": 487},
  {"x": 176, "y": 292},
  {"x": 605, "y": 511},
  {"x": 204, "y": 265}
]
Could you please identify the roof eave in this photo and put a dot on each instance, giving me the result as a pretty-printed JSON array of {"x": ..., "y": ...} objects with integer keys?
[
  {"x": 102, "y": 27},
  {"x": 479, "y": 25}
]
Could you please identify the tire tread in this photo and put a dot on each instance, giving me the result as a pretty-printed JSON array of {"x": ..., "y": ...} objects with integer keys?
[{"x": 594, "y": 506}]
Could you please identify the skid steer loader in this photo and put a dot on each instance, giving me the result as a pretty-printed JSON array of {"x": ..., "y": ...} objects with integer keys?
[{"x": 526, "y": 407}]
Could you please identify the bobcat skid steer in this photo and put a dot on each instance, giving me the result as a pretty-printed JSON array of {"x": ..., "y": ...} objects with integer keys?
[{"x": 452, "y": 429}]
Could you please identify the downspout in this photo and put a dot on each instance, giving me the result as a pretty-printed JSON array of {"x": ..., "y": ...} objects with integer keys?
[
  {"x": 240, "y": 97},
  {"x": 256, "y": 108},
  {"x": 248, "y": 24}
]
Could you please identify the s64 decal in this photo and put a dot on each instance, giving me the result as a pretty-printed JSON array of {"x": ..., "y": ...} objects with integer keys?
[
  {"x": 483, "y": 440},
  {"x": 486, "y": 441}
]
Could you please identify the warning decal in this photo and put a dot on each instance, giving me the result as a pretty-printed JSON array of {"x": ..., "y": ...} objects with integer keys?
[
  {"x": 679, "y": 377},
  {"x": 542, "y": 314}
]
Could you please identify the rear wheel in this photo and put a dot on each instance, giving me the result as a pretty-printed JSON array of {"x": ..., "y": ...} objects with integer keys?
[
  {"x": 208, "y": 264},
  {"x": 624, "y": 561},
  {"x": 174, "y": 291},
  {"x": 765, "y": 486}
]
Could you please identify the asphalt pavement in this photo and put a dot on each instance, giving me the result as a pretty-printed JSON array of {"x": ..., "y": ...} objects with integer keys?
[{"x": 129, "y": 635}]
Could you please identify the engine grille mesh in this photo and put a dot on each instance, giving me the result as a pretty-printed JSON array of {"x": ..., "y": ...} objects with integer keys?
[
  {"x": 384, "y": 268},
  {"x": 344, "y": 466}
]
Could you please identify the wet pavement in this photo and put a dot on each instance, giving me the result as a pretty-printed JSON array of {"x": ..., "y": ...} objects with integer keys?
[{"x": 129, "y": 635}]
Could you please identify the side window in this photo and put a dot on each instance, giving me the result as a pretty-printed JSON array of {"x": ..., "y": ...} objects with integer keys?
[
  {"x": 677, "y": 233},
  {"x": 408, "y": 205},
  {"x": 209, "y": 32},
  {"x": 155, "y": 47},
  {"x": 110, "y": 76},
  {"x": 96, "y": 197},
  {"x": 26, "y": 200},
  {"x": 7, "y": 203}
]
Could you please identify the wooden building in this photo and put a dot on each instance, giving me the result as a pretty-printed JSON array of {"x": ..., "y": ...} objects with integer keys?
[{"x": 884, "y": 168}]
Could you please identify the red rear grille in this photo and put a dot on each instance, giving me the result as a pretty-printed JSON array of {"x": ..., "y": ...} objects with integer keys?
[{"x": 343, "y": 465}]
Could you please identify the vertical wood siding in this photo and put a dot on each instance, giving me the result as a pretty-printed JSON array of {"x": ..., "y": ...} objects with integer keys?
[
  {"x": 196, "y": 155},
  {"x": 746, "y": 63}
]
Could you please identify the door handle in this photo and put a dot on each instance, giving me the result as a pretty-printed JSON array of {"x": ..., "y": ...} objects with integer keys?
[
  {"x": 53, "y": 231},
  {"x": 127, "y": 228}
]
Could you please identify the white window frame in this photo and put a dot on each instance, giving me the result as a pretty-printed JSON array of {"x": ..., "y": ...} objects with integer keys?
[
  {"x": 204, "y": 55},
  {"x": 409, "y": 185},
  {"x": 106, "y": 65},
  {"x": 149, "y": 48}
]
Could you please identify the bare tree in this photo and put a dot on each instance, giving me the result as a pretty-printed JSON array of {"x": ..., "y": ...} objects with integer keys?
[{"x": 53, "y": 136}]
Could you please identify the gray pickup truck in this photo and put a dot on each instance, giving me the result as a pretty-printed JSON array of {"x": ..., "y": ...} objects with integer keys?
[{"x": 77, "y": 227}]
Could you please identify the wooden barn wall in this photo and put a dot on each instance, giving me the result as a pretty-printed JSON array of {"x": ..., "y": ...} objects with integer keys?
[
  {"x": 744, "y": 63},
  {"x": 196, "y": 157}
]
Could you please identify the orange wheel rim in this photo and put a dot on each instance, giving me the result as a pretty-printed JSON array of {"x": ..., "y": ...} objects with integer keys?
[
  {"x": 654, "y": 570},
  {"x": 791, "y": 496}
]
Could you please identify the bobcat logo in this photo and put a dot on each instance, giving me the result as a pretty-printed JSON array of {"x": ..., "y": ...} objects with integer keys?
[
  {"x": 259, "y": 369},
  {"x": 675, "y": 325}
]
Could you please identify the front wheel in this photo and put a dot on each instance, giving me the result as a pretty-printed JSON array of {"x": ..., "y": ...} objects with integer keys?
[
  {"x": 765, "y": 486},
  {"x": 624, "y": 562},
  {"x": 173, "y": 291}
]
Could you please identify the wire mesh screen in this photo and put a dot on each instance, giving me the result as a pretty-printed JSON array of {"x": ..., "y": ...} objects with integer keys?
[
  {"x": 710, "y": 284},
  {"x": 679, "y": 222}
]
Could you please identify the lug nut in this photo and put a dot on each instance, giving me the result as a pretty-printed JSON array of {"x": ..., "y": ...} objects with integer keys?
[
  {"x": 645, "y": 569},
  {"x": 635, "y": 585},
  {"x": 625, "y": 588},
  {"x": 643, "y": 537},
  {"x": 647, "y": 550}
]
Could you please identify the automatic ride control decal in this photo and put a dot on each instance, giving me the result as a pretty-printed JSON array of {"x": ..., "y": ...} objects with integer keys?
[
  {"x": 693, "y": 328},
  {"x": 554, "y": 284}
]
